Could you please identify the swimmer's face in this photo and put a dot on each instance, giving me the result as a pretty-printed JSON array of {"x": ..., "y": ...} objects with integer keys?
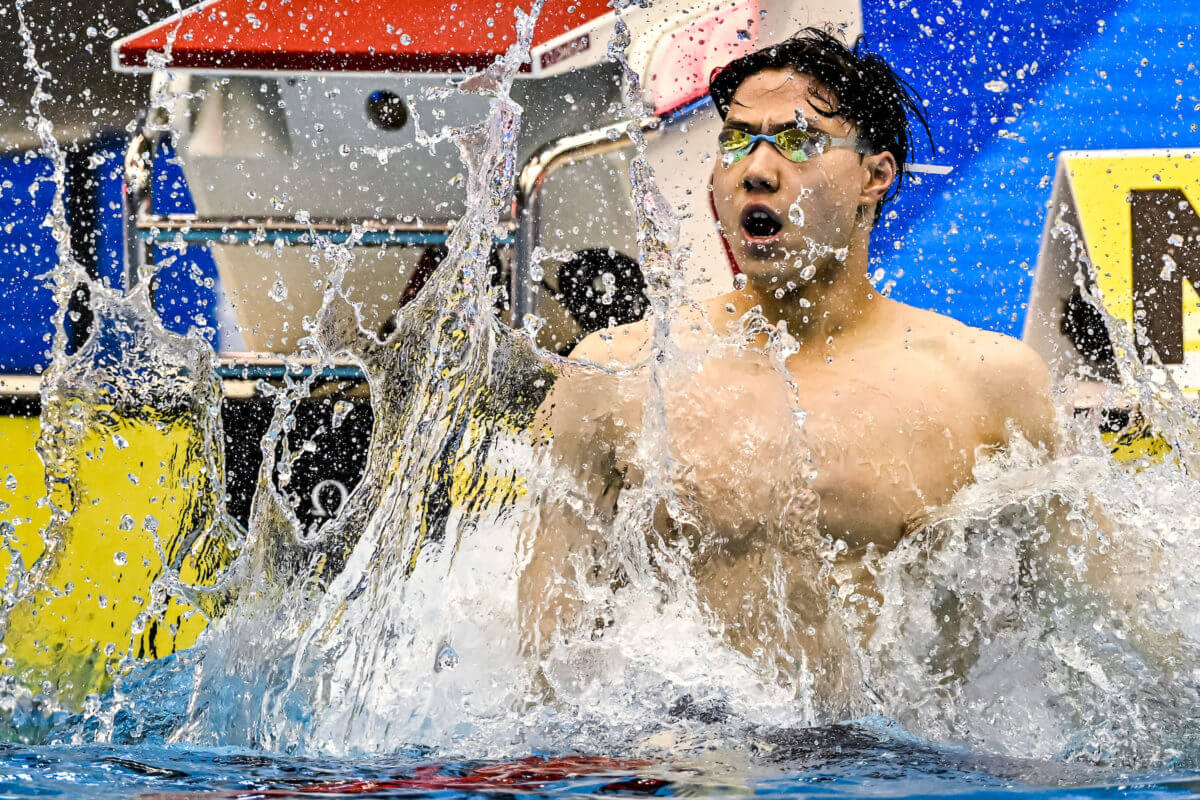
[{"x": 787, "y": 222}]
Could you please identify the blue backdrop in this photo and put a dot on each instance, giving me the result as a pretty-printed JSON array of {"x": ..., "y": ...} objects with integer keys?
[
  {"x": 1008, "y": 85},
  {"x": 1063, "y": 76},
  {"x": 26, "y": 252}
]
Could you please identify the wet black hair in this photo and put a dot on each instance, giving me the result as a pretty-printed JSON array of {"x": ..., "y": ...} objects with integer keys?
[{"x": 867, "y": 91}]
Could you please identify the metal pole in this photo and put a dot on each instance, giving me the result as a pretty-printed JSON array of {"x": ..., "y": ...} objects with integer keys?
[
  {"x": 545, "y": 161},
  {"x": 195, "y": 229}
]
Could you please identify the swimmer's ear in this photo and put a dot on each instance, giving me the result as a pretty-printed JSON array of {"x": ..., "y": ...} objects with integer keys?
[{"x": 881, "y": 174}]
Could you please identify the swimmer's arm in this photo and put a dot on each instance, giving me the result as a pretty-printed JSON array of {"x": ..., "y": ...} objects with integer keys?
[
  {"x": 572, "y": 512},
  {"x": 564, "y": 537},
  {"x": 1020, "y": 390},
  {"x": 1118, "y": 569}
]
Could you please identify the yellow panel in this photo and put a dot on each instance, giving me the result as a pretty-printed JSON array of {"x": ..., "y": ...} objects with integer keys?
[
  {"x": 1100, "y": 187},
  {"x": 134, "y": 476},
  {"x": 22, "y": 484}
]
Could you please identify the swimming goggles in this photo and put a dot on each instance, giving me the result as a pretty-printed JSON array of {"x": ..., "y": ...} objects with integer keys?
[{"x": 796, "y": 144}]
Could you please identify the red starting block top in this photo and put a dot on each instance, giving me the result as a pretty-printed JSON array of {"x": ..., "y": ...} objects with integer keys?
[{"x": 347, "y": 35}]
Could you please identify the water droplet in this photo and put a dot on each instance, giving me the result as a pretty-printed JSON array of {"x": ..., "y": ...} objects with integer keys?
[
  {"x": 150, "y": 523},
  {"x": 796, "y": 215},
  {"x": 446, "y": 659},
  {"x": 127, "y": 523},
  {"x": 1175, "y": 240},
  {"x": 10, "y": 482},
  {"x": 119, "y": 558},
  {"x": 405, "y": 39},
  {"x": 532, "y": 323},
  {"x": 119, "y": 441},
  {"x": 996, "y": 86},
  {"x": 278, "y": 291},
  {"x": 340, "y": 410},
  {"x": 1168, "y": 267}
]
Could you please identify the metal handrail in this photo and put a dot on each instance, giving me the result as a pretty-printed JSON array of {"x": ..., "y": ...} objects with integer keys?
[
  {"x": 193, "y": 228},
  {"x": 527, "y": 200},
  {"x": 554, "y": 156}
]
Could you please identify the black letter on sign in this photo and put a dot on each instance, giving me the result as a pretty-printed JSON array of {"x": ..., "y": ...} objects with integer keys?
[{"x": 1166, "y": 252}]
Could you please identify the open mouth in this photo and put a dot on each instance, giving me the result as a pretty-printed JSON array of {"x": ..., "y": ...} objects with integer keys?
[{"x": 760, "y": 222}]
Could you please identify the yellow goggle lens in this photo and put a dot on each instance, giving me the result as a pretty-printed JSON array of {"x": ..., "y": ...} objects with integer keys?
[
  {"x": 732, "y": 139},
  {"x": 792, "y": 140}
]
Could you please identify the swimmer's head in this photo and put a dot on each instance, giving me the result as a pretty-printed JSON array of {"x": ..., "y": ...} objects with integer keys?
[{"x": 791, "y": 208}]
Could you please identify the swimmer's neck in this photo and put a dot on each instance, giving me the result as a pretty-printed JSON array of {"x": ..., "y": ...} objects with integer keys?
[{"x": 837, "y": 301}]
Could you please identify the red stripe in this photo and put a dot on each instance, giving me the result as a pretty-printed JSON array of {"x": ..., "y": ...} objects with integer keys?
[{"x": 350, "y": 35}]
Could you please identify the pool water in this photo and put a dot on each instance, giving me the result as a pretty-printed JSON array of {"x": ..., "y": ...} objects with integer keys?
[{"x": 866, "y": 759}]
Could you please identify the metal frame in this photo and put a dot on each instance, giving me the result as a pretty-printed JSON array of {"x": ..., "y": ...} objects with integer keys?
[
  {"x": 145, "y": 229},
  {"x": 527, "y": 205},
  {"x": 193, "y": 229}
]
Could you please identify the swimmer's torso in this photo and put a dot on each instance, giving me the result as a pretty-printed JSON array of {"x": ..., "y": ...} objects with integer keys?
[
  {"x": 880, "y": 431},
  {"x": 775, "y": 465}
]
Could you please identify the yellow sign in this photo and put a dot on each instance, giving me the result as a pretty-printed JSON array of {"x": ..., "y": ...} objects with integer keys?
[
  {"x": 138, "y": 498},
  {"x": 1131, "y": 221}
]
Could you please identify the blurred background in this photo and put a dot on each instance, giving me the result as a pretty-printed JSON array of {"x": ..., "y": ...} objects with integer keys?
[{"x": 1008, "y": 85}]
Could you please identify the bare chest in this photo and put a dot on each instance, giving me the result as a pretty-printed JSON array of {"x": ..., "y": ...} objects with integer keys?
[{"x": 853, "y": 455}]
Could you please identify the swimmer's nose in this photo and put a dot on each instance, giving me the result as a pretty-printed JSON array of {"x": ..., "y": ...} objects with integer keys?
[{"x": 759, "y": 173}]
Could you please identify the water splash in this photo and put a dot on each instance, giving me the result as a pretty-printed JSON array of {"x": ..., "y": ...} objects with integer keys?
[
  {"x": 1048, "y": 611},
  {"x": 351, "y": 621},
  {"x": 130, "y": 417}
]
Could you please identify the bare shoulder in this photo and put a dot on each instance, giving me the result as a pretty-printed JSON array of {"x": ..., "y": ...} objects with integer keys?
[
  {"x": 615, "y": 348},
  {"x": 586, "y": 402},
  {"x": 998, "y": 372},
  {"x": 627, "y": 346}
]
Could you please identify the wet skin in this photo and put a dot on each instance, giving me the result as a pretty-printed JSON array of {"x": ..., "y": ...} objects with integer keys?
[{"x": 898, "y": 404}]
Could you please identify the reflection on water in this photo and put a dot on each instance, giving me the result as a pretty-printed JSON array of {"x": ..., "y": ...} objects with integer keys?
[
  {"x": 1046, "y": 613},
  {"x": 864, "y": 759}
]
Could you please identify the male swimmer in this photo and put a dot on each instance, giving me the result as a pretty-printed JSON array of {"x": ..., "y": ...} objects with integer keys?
[{"x": 898, "y": 402}]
